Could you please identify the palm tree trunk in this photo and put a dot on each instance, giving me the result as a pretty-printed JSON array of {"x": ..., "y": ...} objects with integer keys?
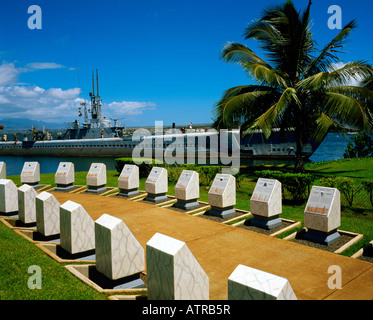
[{"x": 298, "y": 167}]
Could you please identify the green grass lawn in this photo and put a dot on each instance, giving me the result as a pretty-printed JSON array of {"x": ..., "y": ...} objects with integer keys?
[{"x": 18, "y": 254}]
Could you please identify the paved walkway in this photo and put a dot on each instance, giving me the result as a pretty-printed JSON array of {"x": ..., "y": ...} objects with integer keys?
[{"x": 220, "y": 248}]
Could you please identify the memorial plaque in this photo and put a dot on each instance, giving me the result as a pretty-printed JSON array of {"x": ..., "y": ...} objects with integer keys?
[
  {"x": 247, "y": 283},
  {"x": 156, "y": 185},
  {"x": 8, "y": 197},
  {"x": 322, "y": 215},
  {"x": 96, "y": 177},
  {"x": 2, "y": 170},
  {"x": 64, "y": 177},
  {"x": 187, "y": 190},
  {"x": 266, "y": 204},
  {"x": 27, "y": 203},
  {"x": 47, "y": 214},
  {"x": 77, "y": 228},
  {"x": 128, "y": 181},
  {"x": 31, "y": 173},
  {"x": 222, "y": 196},
  {"x": 118, "y": 253},
  {"x": 173, "y": 273},
  {"x": 320, "y": 200}
]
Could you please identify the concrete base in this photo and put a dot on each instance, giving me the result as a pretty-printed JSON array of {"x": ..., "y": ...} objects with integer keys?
[
  {"x": 64, "y": 188},
  {"x": 221, "y": 212},
  {"x": 186, "y": 204},
  {"x": 101, "y": 283},
  {"x": 325, "y": 238},
  {"x": 128, "y": 193},
  {"x": 97, "y": 190},
  {"x": 35, "y": 236},
  {"x": 13, "y": 214},
  {"x": 56, "y": 252},
  {"x": 266, "y": 223},
  {"x": 161, "y": 197}
]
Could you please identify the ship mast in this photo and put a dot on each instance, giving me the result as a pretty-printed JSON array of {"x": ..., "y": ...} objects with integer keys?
[
  {"x": 98, "y": 99},
  {"x": 95, "y": 99}
]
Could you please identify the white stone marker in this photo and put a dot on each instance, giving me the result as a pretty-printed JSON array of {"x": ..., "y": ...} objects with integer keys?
[
  {"x": 266, "y": 204},
  {"x": 31, "y": 174},
  {"x": 27, "y": 203},
  {"x": 8, "y": 197},
  {"x": 65, "y": 176},
  {"x": 47, "y": 214},
  {"x": 118, "y": 253},
  {"x": 187, "y": 190},
  {"x": 156, "y": 185},
  {"x": 96, "y": 178},
  {"x": 247, "y": 283},
  {"x": 2, "y": 170},
  {"x": 128, "y": 181},
  {"x": 77, "y": 228},
  {"x": 222, "y": 196},
  {"x": 173, "y": 273},
  {"x": 322, "y": 215}
]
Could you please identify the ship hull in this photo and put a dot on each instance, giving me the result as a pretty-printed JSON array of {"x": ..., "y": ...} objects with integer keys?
[{"x": 253, "y": 146}]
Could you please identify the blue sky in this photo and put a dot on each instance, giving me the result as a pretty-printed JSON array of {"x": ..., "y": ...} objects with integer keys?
[{"x": 157, "y": 59}]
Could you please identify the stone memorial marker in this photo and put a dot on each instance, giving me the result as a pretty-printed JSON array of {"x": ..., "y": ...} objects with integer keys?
[
  {"x": 8, "y": 197},
  {"x": 156, "y": 185},
  {"x": 47, "y": 214},
  {"x": 65, "y": 176},
  {"x": 31, "y": 174},
  {"x": 187, "y": 190},
  {"x": 2, "y": 170},
  {"x": 77, "y": 228},
  {"x": 96, "y": 178},
  {"x": 222, "y": 196},
  {"x": 118, "y": 253},
  {"x": 322, "y": 215},
  {"x": 128, "y": 181},
  {"x": 27, "y": 203},
  {"x": 247, "y": 283},
  {"x": 173, "y": 273},
  {"x": 266, "y": 204}
]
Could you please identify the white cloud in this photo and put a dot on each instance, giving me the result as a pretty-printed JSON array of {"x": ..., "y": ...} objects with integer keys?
[
  {"x": 8, "y": 73},
  {"x": 22, "y": 101},
  {"x": 35, "y": 103},
  {"x": 129, "y": 108},
  {"x": 44, "y": 65},
  {"x": 60, "y": 94}
]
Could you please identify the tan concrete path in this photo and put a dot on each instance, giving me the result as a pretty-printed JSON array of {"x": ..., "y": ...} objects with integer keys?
[{"x": 220, "y": 248}]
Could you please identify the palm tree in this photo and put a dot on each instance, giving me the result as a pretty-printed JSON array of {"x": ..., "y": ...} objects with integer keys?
[
  {"x": 368, "y": 82},
  {"x": 299, "y": 87}
]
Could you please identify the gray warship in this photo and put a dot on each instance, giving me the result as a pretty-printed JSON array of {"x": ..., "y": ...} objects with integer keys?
[{"x": 99, "y": 136}]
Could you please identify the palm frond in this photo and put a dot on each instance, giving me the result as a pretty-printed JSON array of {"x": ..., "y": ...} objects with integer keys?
[
  {"x": 347, "y": 110},
  {"x": 327, "y": 54},
  {"x": 273, "y": 115}
]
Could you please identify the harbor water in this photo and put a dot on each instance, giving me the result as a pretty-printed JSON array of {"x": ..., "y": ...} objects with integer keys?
[{"x": 332, "y": 148}]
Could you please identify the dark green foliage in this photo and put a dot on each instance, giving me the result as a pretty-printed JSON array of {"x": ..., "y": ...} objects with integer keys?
[
  {"x": 360, "y": 147},
  {"x": 297, "y": 184},
  {"x": 368, "y": 187},
  {"x": 345, "y": 185}
]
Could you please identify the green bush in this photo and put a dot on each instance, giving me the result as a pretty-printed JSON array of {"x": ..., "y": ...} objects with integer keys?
[
  {"x": 368, "y": 187},
  {"x": 144, "y": 168},
  {"x": 207, "y": 174},
  {"x": 361, "y": 146},
  {"x": 297, "y": 184},
  {"x": 346, "y": 186}
]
